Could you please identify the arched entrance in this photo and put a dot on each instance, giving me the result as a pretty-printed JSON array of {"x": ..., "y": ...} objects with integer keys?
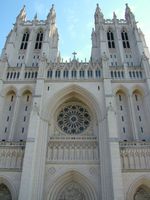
[
  {"x": 140, "y": 189},
  {"x": 4, "y": 192},
  {"x": 142, "y": 193},
  {"x": 72, "y": 191},
  {"x": 72, "y": 186}
]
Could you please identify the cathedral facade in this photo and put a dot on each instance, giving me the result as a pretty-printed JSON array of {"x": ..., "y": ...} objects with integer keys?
[{"x": 74, "y": 130}]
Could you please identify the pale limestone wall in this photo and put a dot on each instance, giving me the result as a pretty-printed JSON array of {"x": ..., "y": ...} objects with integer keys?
[{"x": 95, "y": 160}]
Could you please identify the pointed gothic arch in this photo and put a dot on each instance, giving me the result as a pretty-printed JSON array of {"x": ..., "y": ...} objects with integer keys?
[
  {"x": 25, "y": 89},
  {"x": 73, "y": 93},
  {"x": 142, "y": 186},
  {"x": 123, "y": 114},
  {"x": 137, "y": 88},
  {"x": 4, "y": 192},
  {"x": 7, "y": 189},
  {"x": 142, "y": 193},
  {"x": 141, "y": 112},
  {"x": 71, "y": 185},
  {"x": 78, "y": 92}
]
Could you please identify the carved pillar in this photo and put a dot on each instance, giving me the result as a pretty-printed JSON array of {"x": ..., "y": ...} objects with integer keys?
[
  {"x": 133, "y": 118},
  {"x": 119, "y": 39},
  {"x": 109, "y": 145},
  {"x": 14, "y": 119},
  {"x": 22, "y": 72},
  {"x": 32, "y": 179}
]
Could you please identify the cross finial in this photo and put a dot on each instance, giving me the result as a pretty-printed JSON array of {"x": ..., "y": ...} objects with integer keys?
[{"x": 74, "y": 55}]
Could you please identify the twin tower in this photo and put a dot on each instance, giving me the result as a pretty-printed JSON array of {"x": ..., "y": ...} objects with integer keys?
[{"x": 75, "y": 130}]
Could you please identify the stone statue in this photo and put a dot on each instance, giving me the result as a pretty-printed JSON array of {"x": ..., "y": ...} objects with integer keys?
[{"x": 104, "y": 57}]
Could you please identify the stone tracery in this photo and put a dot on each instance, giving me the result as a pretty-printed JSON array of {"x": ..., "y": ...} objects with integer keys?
[
  {"x": 73, "y": 118},
  {"x": 72, "y": 192}
]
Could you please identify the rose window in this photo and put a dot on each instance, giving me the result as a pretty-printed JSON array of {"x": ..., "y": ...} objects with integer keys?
[{"x": 73, "y": 119}]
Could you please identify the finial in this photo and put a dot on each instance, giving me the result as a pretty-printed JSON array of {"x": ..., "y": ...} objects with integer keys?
[
  {"x": 22, "y": 14},
  {"x": 97, "y": 7},
  {"x": 129, "y": 16},
  {"x": 127, "y": 8},
  {"x": 127, "y": 5},
  {"x": 23, "y": 9},
  {"x": 51, "y": 17},
  {"x": 98, "y": 15},
  {"x": 35, "y": 16},
  {"x": 52, "y": 8},
  {"x": 114, "y": 15}
]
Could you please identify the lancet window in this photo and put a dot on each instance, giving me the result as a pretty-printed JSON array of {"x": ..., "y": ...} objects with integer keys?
[
  {"x": 39, "y": 40},
  {"x": 110, "y": 38},
  {"x": 125, "y": 40},
  {"x": 25, "y": 40}
]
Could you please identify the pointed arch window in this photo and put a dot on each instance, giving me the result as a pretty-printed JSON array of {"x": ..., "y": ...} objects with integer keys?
[
  {"x": 5, "y": 192},
  {"x": 110, "y": 38},
  {"x": 82, "y": 73},
  {"x": 25, "y": 40},
  {"x": 74, "y": 74},
  {"x": 90, "y": 73},
  {"x": 57, "y": 74},
  {"x": 98, "y": 73},
  {"x": 66, "y": 73},
  {"x": 39, "y": 40},
  {"x": 49, "y": 74},
  {"x": 125, "y": 39}
]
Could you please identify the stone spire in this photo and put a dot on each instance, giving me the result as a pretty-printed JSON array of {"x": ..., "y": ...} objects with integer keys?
[
  {"x": 98, "y": 15},
  {"x": 129, "y": 16},
  {"x": 51, "y": 17},
  {"x": 22, "y": 15}
]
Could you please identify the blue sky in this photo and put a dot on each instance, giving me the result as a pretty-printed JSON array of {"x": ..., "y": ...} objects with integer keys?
[{"x": 74, "y": 19}]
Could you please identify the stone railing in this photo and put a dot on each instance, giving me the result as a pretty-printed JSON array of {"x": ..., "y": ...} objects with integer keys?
[
  {"x": 72, "y": 149},
  {"x": 11, "y": 155},
  {"x": 74, "y": 71},
  {"x": 31, "y": 73},
  {"x": 117, "y": 74},
  {"x": 132, "y": 73},
  {"x": 16, "y": 73},
  {"x": 135, "y": 155}
]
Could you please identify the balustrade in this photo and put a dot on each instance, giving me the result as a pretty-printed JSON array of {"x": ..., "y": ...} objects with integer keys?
[
  {"x": 135, "y": 155},
  {"x": 11, "y": 155}
]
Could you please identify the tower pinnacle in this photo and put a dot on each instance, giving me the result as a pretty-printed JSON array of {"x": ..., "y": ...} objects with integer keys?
[
  {"x": 52, "y": 16},
  {"x": 98, "y": 15},
  {"x": 129, "y": 16},
  {"x": 22, "y": 14}
]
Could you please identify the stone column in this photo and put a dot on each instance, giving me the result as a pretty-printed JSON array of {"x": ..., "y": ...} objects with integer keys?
[
  {"x": 120, "y": 46},
  {"x": 114, "y": 149},
  {"x": 110, "y": 161},
  {"x": 32, "y": 179},
  {"x": 133, "y": 118},
  {"x": 2, "y": 100},
  {"x": 30, "y": 47},
  {"x": 22, "y": 72},
  {"x": 14, "y": 119}
]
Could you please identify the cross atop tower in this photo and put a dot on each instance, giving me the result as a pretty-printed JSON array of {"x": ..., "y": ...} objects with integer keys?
[{"x": 74, "y": 55}]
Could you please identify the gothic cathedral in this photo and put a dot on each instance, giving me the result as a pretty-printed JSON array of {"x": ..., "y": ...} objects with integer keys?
[{"x": 75, "y": 130}]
